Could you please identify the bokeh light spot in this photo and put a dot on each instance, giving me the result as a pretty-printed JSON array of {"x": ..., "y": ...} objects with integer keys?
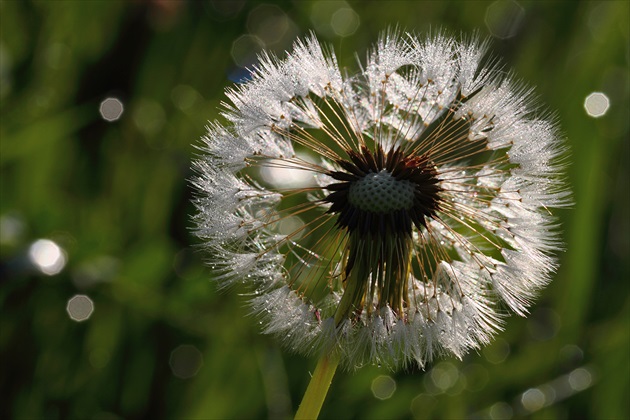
[
  {"x": 111, "y": 109},
  {"x": 383, "y": 387},
  {"x": 580, "y": 379},
  {"x": 245, "y": 50},
  {"x": 291, "y": 225},
  {"x": 444, "y": 375},
  {"x": 571, "y": 354},
  {"x": 268, "y": 22},
  {"x": 149, "y": 117},
  {"x": 185, "y": 361},
  {"x": 476, "y": 377},
  {"x": 345, "y": 21},
  {"x": 285, "y": 177},
  {"x": 596, "y": 104},
  {"x": 533, "y": 399},
  {"x": 184, "y": 97},
  {"x": 47, "y": 256},
  {"x": 334, "y": 18},
  {"x": 549, "y": 391},
  {"x": 504, "y": 18},
  {"x": 501, "y": 411},
  {"x": 80, "y": 308},
  {"x": 497, "y": 352}
]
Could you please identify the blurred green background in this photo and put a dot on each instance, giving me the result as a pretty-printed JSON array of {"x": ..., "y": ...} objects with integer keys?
[{"x": 95, "y": 215}]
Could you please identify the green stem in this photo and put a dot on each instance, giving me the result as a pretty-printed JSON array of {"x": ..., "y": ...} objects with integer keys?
[{"x": 318, "y": 387}]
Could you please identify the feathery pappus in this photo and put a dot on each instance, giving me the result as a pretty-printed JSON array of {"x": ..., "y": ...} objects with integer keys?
[{"x": 418, "y": 208}]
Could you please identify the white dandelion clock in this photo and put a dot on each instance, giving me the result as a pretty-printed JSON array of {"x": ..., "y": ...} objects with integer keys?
[{"x": 425, "y": 212}]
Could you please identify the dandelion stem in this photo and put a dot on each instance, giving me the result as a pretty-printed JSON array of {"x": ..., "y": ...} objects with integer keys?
[{"x": 318, "y": 387}]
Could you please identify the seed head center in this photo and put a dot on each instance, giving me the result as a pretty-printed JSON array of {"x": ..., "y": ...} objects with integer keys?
[{"x": 380, "y": 192}]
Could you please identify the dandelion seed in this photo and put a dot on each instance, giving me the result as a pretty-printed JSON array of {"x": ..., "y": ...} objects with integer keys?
[{"x": 430, "y": 211}]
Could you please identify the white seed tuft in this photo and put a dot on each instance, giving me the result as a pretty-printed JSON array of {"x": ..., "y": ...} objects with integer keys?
[{"x": 488, "y": 242}]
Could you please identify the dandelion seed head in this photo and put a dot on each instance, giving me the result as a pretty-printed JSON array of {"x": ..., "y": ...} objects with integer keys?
[
  {"x": 423, "y": 208},
  {"x": 380, "y": 192}
]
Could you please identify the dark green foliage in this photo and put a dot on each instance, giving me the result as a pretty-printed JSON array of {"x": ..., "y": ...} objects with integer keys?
[{"x": 115, "y": 197}]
